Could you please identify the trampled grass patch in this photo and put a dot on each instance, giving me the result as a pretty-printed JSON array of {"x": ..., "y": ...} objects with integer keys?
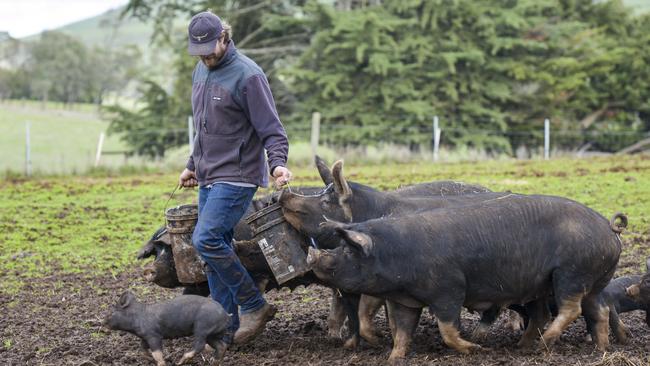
[{"x": 93, "y": 225}]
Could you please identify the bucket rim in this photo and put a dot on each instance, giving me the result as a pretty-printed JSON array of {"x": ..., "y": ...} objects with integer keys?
[
  {"x": 262, "y": 212},
  {"x": 170, "y": 214}
]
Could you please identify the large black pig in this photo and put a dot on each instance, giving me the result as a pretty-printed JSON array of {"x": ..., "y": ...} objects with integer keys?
[
  {"x": 514, "y": 250},
  {"x": 353, "y": 202}
]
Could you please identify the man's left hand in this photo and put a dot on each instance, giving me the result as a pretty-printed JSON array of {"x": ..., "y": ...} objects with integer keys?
[{"x": 281, "y": 175}]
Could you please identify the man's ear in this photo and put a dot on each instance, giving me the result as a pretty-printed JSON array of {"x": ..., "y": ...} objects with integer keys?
[{"x": 358, "y": 240}]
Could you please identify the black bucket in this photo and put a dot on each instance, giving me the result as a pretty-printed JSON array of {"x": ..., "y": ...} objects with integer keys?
[
  {"x": 180, "y": 226},
  {"x": 279, "y": 242}
]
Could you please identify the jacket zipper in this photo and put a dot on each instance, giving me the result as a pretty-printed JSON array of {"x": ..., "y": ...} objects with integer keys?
[{"x": 203, "y": 122}]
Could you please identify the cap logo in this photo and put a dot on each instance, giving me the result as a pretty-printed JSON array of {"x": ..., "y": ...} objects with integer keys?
[{"x": 199, "y": 38}]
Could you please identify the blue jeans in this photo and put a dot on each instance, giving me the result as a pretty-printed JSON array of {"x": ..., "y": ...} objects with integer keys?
[{"x": 221, "y": 206}]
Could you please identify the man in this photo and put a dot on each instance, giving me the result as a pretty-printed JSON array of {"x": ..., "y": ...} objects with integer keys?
[{"x": 235, "y": 120}]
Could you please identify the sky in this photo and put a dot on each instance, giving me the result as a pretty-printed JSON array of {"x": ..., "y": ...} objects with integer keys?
[{"x": 26, "y": 17}]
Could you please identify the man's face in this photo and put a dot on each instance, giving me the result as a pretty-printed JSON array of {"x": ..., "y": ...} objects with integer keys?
[{"x": 212, "y": 59}]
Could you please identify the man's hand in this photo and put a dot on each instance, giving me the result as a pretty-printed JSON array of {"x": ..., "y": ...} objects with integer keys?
[
  {"x": 282, "y": 176},
  {"x": 188, "y": 179}
]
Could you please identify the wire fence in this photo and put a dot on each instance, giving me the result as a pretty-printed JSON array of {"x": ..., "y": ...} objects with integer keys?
[{"x": 81, "y": 153}]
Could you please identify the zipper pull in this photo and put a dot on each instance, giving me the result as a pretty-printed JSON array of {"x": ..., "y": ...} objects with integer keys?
[{"x": 205, "y": 127}]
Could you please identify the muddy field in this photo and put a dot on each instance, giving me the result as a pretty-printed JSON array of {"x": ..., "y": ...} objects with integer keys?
[
  {"x": 57, "y": 321},
  {"x": 67, "y": 252}
]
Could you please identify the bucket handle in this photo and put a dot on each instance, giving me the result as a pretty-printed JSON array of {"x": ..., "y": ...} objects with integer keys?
[{"x": 169, "y": 199}]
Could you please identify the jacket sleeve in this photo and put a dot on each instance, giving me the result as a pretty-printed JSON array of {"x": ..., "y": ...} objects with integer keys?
[{"x": 259, "y": 105}]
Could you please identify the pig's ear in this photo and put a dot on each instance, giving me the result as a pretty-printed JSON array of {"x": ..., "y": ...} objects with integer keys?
[
  {"x": 126, "y": 299},
  {"x": 323, "y": 170},
  {"x": 358, "y": 240},
  {"x": 342, "y": 188}
]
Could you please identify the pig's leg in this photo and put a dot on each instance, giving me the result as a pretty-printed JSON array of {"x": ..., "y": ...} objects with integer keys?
[
  {"x": 336, "y": 316},
  {"x": 402, "y": 321},
  {"x": 538, "y": 316},
  {"x": 219, "y": 348},
  {"x": 368, "y": 307},
  {"x": 597, "y": 313},
  {"x": 145, "y": 348},
  {"x": 351, "y": 305},
  {"x": 197, "y": 346},
  {"x": 447, "y": 310},
  {"x": 487, "y": 318},
  {"x": 155, "y": 344},
  {"x": 568, "y": 296},
  {"x": 619, "y": 329}
]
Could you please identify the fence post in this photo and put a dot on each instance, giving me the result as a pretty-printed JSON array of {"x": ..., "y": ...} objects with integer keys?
[
  {"x": 28, "y": 156},
  {"x": 100, "y": 143},
  {"x": 547, "y": 138},
  {"x": 315, "y": 131},
  {"x": 190, "y": 133},
  {"x": 436, "y": 138}
]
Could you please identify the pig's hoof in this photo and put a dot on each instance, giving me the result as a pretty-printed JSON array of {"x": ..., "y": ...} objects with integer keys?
[
  {"x": 470, "y": 348},
  {"x": 371, "y": 338},
  {"x": 186, "y": 357},
  {"x": 351, "y": 343}
]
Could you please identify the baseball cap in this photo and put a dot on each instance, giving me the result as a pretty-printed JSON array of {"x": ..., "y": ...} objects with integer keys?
[{"x": 203, "y": 33}]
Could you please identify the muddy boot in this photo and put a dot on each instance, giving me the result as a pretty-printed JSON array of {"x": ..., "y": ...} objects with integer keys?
[{"x": 252, "y": 324}]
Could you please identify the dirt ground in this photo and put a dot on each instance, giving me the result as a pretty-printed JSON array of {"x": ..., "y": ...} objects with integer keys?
[{"x": 58, "y": 321}]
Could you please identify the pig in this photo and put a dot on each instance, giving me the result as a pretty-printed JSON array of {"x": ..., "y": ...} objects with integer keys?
[
  {"x": 614, "y": 296},
  {"x": 353, "y": 202},
  {"x": 435, "y": 188},
  {"x": 514, "y": 250},
  {"x": 639, "y": 292},
  {"x": 182, "y": 316}
]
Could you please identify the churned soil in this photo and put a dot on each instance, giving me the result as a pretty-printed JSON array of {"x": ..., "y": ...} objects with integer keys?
[{"x": 58, "y": 321}]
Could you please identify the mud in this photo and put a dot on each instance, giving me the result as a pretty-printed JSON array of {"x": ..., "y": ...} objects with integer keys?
[{"x": 58, "y": 321}]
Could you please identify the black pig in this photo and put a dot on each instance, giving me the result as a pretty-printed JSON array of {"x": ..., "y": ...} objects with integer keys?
[
  {"x": 514, "y": 250},
  {"x": 182, "y": 316}
]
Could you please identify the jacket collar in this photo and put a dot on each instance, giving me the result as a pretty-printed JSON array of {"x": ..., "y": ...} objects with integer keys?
[{"x": 229, "y": 56}]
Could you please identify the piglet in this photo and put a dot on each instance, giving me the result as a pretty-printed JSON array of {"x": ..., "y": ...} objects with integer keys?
[
  {"x": 640, "y": 292},
  {"x": 182, "y": 316}
]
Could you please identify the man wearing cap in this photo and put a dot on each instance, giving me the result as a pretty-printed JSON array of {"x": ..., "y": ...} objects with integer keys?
[{"x": 235, "y": 121}]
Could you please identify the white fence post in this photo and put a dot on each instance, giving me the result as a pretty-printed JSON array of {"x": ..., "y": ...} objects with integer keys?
[
  {"x": 28, "y": 156},
  {"x": 100, "y": 143},
  {"x": 436, "y": 138},
  {"x": 190, "y": 132},
  {"x": 547, "y": 138},
  {"x": 315, "y": 131}
]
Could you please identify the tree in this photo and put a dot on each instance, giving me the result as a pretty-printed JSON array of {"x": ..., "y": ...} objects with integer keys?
[
  {"x": 493, "y": 66},
  {"x": 152, "y": 129}
]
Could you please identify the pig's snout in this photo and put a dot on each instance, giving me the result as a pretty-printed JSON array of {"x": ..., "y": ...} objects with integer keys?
[
  {"x": 632, "y": 291},
  {"x": 312, "y": 256},
  {"x": 149, "y": 274}
]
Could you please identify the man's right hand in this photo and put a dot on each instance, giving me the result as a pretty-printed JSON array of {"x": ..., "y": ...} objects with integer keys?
[{"x": 187, "y": 179}]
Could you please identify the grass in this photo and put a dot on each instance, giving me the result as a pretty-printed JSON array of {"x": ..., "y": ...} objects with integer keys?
[
  {"x": 91, "y": 224},
  {"x": 61, "y": 140}
]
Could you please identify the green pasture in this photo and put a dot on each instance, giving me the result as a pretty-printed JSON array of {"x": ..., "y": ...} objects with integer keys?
[
  {"x": 96, "y": 225},
  {"x": 63, "y": 140}
]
